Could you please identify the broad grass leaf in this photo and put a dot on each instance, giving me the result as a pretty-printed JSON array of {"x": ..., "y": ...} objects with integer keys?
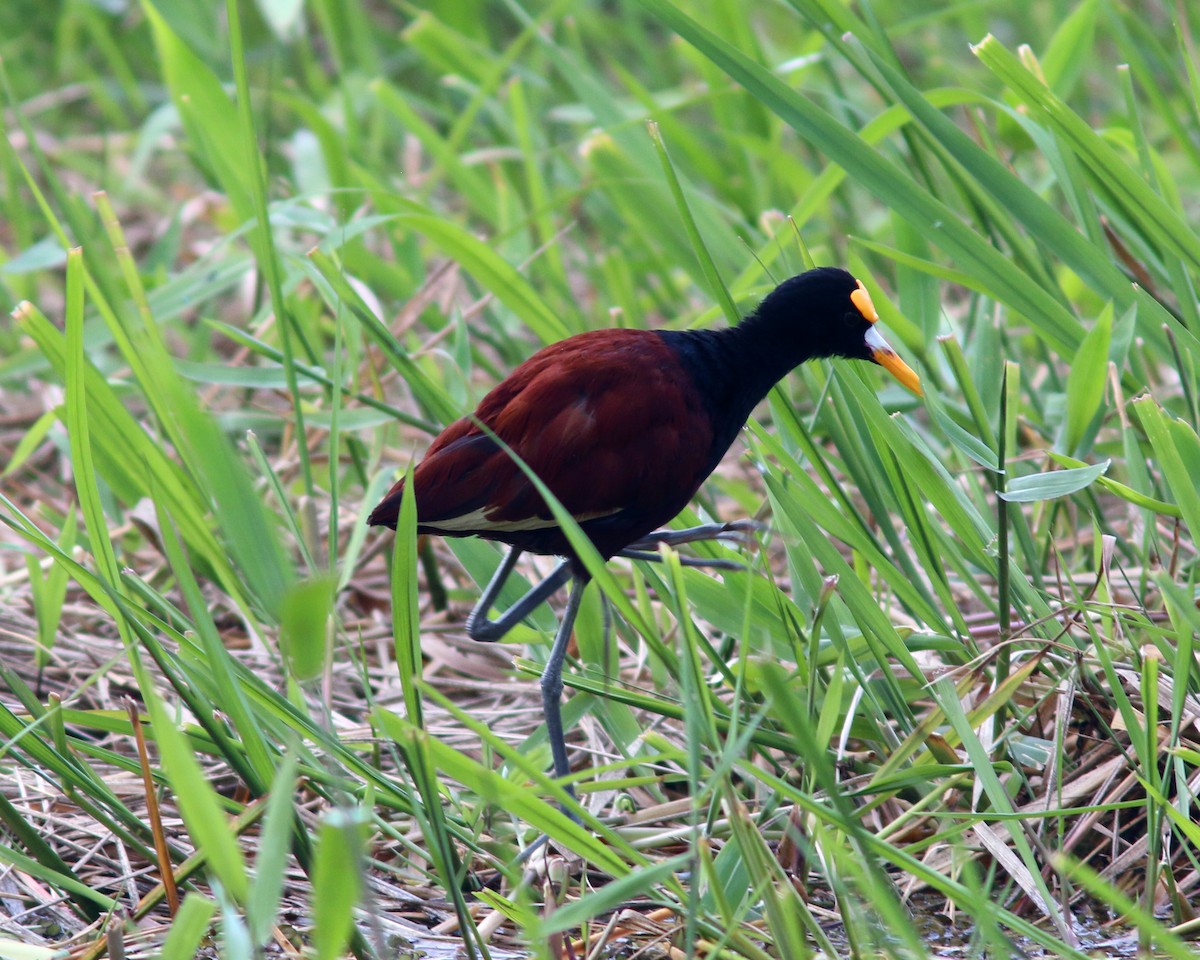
[
  {"x": 188, "y": 928},
  {"x": 1122, "y": 490},
  {"x": 270, "y": 862},
  {"x": 46, "y": 254},
  {"x": 201, "y": 808},
  {"x": 1177, "y": 449},
  {"x": 472, "y": 183},
  {"x": 495, "y": 273},
  {"x": 966, "y": 443},
  {"x": 1056, "y": 483},
  {"x": 1070, "y": 48},
  {"x": 79, "y": 427},
  {"x": 406, "y": 619},
  {"x": 1085, "y": 382},
  {"x": 208, "y": 115},
  {"x": 303, "y": 625},
  {"x": 337, "y": 881}
]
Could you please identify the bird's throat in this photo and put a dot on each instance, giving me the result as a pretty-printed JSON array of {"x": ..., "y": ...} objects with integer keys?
[{"x": 734, "y": 370}]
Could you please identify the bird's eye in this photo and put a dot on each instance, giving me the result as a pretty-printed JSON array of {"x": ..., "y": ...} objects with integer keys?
[{"x": 852, "y": 318}]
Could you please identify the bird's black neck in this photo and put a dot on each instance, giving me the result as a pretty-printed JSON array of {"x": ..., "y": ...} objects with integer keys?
[{"x": 734, "y": 368}]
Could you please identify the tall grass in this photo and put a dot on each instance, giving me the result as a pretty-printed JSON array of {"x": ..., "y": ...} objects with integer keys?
[{"x": 259, "y": 254}]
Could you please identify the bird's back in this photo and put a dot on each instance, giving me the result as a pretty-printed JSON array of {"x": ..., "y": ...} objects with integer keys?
[{"x": 606, "y": 419}]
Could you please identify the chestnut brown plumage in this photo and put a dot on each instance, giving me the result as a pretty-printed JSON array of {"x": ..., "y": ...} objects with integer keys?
[{"x": 622, "y": 426}]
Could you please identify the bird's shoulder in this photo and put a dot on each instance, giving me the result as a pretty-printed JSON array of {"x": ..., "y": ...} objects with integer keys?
[{"x": 585, "y": 369}]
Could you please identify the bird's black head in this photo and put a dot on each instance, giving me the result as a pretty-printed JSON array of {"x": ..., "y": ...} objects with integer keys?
[{"x": 826, "y": 312}]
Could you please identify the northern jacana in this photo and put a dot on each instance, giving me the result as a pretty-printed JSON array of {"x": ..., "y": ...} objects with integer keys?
[{"x": 622, "y": 426}]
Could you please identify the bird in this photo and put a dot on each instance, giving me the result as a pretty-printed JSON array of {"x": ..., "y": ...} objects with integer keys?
[{"x": 623, "y": 426}]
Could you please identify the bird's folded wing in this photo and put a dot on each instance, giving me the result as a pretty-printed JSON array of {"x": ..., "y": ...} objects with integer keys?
[{"x": 602, "y": 434}]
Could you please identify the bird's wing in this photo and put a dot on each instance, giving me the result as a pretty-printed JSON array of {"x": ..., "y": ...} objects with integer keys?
[{"x": 607, "y": 421}]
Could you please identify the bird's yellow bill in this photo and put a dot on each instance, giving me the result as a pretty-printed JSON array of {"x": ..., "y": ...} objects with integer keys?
[
  {"x": 887, "y": 358},
  {"x": 892, "y": 363}
]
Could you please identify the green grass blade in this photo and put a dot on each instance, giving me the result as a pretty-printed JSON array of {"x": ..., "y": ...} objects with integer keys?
[
  {"x": 191, "y": 925},
  {"x": 884, "y": 179},
  {"x": 198, "y": 803},
  {"x": 1138, "y": 200},
  {"x": 406, "y": 626},
  {"x": 338, "y": 880},
  {"x": 1058, "y": 483}
]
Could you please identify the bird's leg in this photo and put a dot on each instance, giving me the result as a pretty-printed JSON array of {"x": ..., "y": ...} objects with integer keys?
[
  {"x": 479, "y": 627},
  {"x": 552, "y": 684},
  {"x": 736, "y": 531},
  {"x": 477, "y": 621}
]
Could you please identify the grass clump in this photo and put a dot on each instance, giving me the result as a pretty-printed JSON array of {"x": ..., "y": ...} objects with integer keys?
[{"x": 259, "y": 255}]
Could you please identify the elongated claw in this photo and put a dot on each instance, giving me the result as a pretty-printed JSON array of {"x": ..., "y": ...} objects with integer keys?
[
  {"x": 705, "y": 562},
  {"x": 736, "y": 531}
]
